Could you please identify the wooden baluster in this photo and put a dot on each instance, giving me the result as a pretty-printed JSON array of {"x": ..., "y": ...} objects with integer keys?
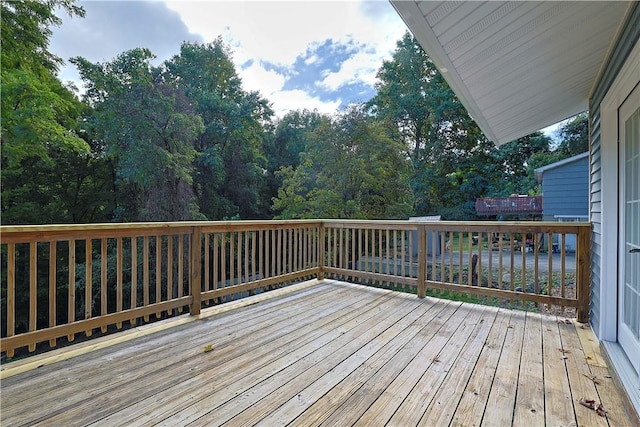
[
  {"x": 33, "y": 289},
  {"x": 195, "y": 272},
  {"x": 289, "y": 268},
  {"x": 134, "y": 276},
  {"x": 523, "y": 249},
  {"x": 387, "y": 254},
  {"x": 490, "y": 262},
  {"x": 500, "y": 261},
  {"x": 88, "y": 294},
  {"x": 72, "y": 288},
  {"x": 422, "y": 261},
  {"x": 119, "y": 293},
  {"x": 11, "y": 293},
  {"x": 550, "y": 267},
  {"x": 479, "y": 273},
  {"x": 253, "y": 242},
  {"x": 170, "y": 282},
  {"x": 280, "y": 252},
  {"x": 180, "y": 268},
  {"x": 207, "y": 261},
  {"x": 563, "y": 256},
  {"x": 240, "y": 252},
  {"x": 223, "y": 260},
  {"x": 159, "y": 274},
  {"x": 53, "y": 288},
  {"x": 536, "y": 266},
  {"x": 103, "y": 280},
  {"x": 216, "y": 263},
  {"x": 471, "y": 269},
  {"x": 145, "y": 273}
]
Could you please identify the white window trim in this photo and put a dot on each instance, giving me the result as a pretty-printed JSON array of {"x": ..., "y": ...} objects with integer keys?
[{"x": 621, "y": 87}]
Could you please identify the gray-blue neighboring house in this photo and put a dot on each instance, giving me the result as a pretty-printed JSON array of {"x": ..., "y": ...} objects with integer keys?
[
  {"x": 565, "y": 193},
  {"x": 565, "y": 189}
]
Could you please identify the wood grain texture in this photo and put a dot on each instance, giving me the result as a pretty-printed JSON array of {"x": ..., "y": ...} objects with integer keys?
[{"x": 323, "y": 353}]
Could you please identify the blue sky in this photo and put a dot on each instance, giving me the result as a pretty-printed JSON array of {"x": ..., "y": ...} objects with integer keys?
[{"x": 319, "y": 55}]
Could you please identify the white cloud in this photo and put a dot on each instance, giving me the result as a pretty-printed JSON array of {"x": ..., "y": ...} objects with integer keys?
[
  {"x": 270, "y": 83},
  {"x": 257, "y": 78},
  {"x": 361, "y": 67},
  {"x": 287, "y": 100}
]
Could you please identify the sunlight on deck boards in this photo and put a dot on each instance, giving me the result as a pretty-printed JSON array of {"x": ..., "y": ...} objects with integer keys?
[{"x": 328, "y": 353}]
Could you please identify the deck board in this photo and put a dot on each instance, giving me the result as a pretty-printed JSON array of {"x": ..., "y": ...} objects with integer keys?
[{"x": 329, "y": 353}]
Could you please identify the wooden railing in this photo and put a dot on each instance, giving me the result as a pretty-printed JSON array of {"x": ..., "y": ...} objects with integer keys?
[
  {"x": 60, "y": 281},
  {"x": 539, "y": 265}
]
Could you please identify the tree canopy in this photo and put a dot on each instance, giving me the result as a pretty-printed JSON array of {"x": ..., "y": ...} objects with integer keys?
[{"x": 184, "y": 140}]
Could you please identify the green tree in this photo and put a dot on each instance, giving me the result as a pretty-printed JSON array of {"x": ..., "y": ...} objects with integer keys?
[
  {"x": 49, "y": 173},
  {"x": 449, "y": 153},
  {"x": 230, "y": 162},
  {"x": 351, "y": 168},
  {"x": 148, "y": 128},
  {"x": 574, "y": 135},
  {"x": 283, "y": 148},
  {"x": 517, "y": 161}
]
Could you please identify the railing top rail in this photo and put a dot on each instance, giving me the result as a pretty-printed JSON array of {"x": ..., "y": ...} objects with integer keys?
[{"x": 155, "y": 225}]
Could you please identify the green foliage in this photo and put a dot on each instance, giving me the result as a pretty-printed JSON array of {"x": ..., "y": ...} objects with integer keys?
[
  {"x": 25, "y": 28},
  {"x": 284, "y": 147},
  {"x": 230, "y": 163},
  {"x": 449, "y": 154},
  {"x": 148, "y": 128},
  {"x": 517, "y": 161},
  {"x": 574, "y": 135},
  {"x": 350, "y": 169},
  {"x": 48, "y": 171}
]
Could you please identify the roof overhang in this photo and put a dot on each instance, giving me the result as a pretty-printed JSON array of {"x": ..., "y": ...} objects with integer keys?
[{"x": 517, "y": 67}]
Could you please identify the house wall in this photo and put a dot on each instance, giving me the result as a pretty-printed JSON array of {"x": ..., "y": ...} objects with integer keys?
[
  {"x": 565, "y": 190},
  {"x": 599, "y": 165}
]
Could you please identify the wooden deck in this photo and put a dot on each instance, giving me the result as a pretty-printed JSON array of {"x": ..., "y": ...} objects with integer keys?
[{"x": 324, "y": 353}]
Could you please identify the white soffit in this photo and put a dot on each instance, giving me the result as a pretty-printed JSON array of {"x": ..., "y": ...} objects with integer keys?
[{"x": 516, "y": 66}]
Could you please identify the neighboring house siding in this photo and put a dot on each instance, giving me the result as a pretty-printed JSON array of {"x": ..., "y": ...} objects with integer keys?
[
  {"x": 565, "y": 190},
  {"x": 628, "y": 37}
]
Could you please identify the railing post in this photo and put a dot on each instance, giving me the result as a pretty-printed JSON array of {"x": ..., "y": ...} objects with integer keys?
[
  {"x": 195, "y": 276},
  {"x": 422, "y": 261},
  {"x": 583, "y": 273},
  {"x": 321, "y": 251}
]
